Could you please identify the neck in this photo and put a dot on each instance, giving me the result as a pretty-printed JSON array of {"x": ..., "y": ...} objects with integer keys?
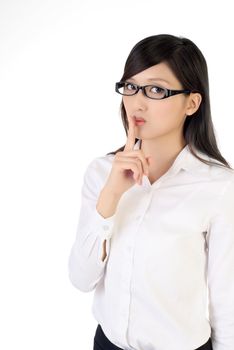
[{"x": 162, "y": 151}]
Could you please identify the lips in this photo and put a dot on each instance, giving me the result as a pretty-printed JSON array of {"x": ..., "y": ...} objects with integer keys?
[{"x": 139, "y": 119}]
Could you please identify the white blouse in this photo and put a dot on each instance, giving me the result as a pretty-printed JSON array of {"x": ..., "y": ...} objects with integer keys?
[{"x": 170, "y": 257}]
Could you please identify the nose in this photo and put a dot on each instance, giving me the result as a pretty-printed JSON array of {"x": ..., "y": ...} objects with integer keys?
[
  {"x": 139, "y": 99},
  {"x": 142, "y": 91}
]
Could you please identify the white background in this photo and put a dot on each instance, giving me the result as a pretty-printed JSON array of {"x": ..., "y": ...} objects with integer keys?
[{"x": 59, "y": 60}]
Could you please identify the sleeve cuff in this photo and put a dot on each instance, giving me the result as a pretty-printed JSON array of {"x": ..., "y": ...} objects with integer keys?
[{"x": 105, "y": 224}]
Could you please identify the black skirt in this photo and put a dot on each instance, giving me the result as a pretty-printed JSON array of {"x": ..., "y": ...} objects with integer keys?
[{"x": 101, "y": 342}]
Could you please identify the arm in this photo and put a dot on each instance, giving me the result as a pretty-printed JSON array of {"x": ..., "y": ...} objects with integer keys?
[
  {"x": 87, "y": 258},
  {"x": 220, "y": 240}
]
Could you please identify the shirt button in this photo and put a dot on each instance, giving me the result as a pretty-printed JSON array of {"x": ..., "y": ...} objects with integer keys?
[{"x": 105, "y": 227}]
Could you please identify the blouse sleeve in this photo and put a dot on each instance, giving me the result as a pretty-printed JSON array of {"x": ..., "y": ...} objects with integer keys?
[
  {"x": 220, "y": 277},
  {"x": 85, "y": 263}
]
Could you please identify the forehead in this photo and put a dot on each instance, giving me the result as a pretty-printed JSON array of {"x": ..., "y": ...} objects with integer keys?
[{"x": 158, "y": 72}]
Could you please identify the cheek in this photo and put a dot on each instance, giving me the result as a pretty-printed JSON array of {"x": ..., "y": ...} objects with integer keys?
[
  {"x": 170, "y": 111},
  {"x": 165, "y": 116}
]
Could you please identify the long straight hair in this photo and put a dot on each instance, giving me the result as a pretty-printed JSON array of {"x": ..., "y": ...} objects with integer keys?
[{"x": 189, "y": 66}]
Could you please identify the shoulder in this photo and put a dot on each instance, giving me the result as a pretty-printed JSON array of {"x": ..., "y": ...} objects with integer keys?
[
  {"x": 224, "y": 183},
  {"x": 222, "y": 173},
  {"x": 218, "y": 177},
  {"x": 215, "y": 168},
  {"x": 101, "y": 163},
  {"x": 99, "y": 167}
]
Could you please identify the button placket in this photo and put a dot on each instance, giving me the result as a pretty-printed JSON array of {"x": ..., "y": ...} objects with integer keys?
[{"x": 145, "y": 207}]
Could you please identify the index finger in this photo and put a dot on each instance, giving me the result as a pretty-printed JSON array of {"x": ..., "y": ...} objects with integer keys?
[{"x": 131, "y": 135}]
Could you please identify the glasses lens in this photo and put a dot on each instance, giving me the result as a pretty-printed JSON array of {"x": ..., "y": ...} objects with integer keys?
[
  {"x": 155, "y": 92},
  {"x": 152, "y": 91},
  {"x": 126, "y": 88}
]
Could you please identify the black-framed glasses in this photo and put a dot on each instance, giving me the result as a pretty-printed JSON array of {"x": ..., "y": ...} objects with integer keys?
[{"x": 151, "y": 91}]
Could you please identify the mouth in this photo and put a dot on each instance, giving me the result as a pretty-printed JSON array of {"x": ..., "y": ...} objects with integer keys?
[{"x": 139, "y": 119}]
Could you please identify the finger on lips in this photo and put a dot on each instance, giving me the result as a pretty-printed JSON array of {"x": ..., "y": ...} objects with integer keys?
[
  {"x": 130, "y": 147},
  {"x": 131, "y": 135}
]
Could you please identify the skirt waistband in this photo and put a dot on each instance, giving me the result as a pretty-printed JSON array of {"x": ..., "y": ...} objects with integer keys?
[{"x": 103, "y": 343}]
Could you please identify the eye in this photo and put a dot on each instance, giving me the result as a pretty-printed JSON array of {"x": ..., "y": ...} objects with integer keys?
[
  {"x": 129, "y": 86},
  {"x": 156, "y": 90}
]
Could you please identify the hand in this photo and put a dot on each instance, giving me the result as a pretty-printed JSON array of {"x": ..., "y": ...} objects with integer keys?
[{"x": 128, "y": 166}]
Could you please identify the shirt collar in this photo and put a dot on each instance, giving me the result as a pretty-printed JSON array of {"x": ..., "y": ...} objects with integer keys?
[{"x": 186, "y": 160}]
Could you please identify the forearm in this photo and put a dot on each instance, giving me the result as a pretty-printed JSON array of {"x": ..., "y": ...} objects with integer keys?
[{"x": 107, "y": 203}]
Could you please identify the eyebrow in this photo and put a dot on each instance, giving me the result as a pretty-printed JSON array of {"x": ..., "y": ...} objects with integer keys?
[{"x": 153, "y": 79}]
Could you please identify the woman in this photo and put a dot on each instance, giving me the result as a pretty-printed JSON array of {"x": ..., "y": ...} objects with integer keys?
[{"x": 156, "y": 229}]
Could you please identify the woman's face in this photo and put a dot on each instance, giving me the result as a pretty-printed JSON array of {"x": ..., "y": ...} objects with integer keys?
[{"x": 162, "y": 116}]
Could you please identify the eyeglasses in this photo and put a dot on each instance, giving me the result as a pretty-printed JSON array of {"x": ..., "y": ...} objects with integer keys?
[{"x": 151, "y": 91}]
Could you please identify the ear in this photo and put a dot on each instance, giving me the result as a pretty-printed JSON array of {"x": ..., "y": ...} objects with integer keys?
[{"x": 194, "y": 102}]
